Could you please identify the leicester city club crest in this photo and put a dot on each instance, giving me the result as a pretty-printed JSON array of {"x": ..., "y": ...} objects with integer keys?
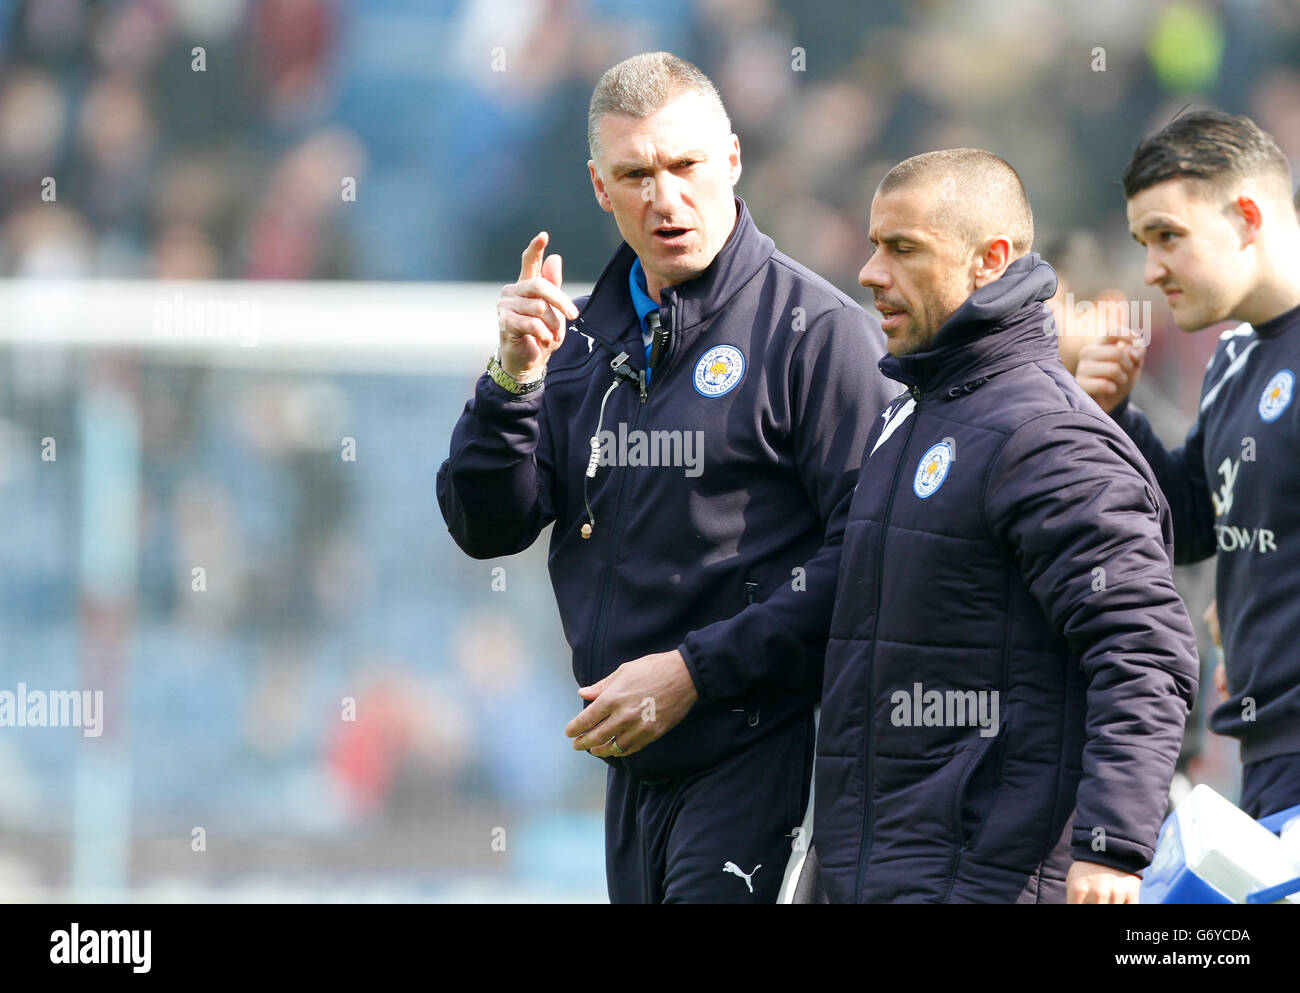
[
  {"x": 932, "y": 470},
  {"x": 718, "y": 370},
  {"x": 1276, "y": 395}
]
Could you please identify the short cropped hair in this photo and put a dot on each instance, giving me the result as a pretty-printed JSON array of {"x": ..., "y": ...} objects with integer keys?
[
  {"x": 981, "y": 194},
  {"x": 1211, "y": 147},
  {"x": 640, "y": 86}
]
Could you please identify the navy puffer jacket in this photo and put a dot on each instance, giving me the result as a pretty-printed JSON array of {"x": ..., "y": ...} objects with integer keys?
[{"x": 1010, "y": 666}]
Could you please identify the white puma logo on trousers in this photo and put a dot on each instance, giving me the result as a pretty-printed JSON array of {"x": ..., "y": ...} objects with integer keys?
[{"x": 734, "y": 869}]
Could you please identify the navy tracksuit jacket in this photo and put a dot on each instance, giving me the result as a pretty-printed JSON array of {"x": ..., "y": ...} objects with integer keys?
[
  {"x": 1009, "y": 666},
  {"x": 728, "y": 562},
  {"x": 1234, "y": 489}
]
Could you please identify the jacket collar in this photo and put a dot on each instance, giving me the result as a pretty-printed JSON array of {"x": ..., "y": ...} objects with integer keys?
[
  {"x": 1000, "y": 326},
  {"x": 610, "y": 317}
]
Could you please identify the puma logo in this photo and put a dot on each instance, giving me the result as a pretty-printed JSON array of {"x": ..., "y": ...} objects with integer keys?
[
  {"x": 734, "y": 869},
  {"x": 590, "y": 340}
]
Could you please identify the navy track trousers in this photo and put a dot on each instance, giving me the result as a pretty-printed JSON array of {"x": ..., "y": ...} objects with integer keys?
[{"x": 726, "y": 834}]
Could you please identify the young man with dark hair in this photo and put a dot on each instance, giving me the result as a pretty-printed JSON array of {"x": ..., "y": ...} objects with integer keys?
[
  {"x": 1209, "y": 197},
  {"x": 1010, "y": 667}
]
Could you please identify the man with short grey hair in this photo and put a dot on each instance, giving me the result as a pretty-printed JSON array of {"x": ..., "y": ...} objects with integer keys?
[{"x": 690, "y": 428}]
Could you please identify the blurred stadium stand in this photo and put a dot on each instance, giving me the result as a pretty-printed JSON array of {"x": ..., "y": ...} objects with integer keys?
[{"x": 325, "y": 578}]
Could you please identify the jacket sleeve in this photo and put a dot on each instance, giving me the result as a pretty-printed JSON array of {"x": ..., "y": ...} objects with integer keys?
[
  {"x": 495, "y": 489},
  {"x": 836, "y": 394},
  {"x": 1181, "y": 475},
  {"x": 1092, "y": 538}
]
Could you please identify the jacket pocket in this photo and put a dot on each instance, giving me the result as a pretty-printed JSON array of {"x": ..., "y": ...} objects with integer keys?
[{"x": 979, "y": 786}]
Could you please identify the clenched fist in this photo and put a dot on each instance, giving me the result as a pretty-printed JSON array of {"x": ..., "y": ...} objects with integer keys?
[
  {"x": 1109, "y": 368},
  {"x": 532, "y": 313},
  {"x": 1088, "y": 882}
]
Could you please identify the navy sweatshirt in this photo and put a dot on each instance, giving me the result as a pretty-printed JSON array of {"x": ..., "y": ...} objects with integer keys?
[
  {"x": 1234, "y": 488},
  {"x": 771, "y": 381}
]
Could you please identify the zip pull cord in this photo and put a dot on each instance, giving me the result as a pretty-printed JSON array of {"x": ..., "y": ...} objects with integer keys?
[
  {"x": 595, "y": 438},
  {"x": 594, "y": 460}
]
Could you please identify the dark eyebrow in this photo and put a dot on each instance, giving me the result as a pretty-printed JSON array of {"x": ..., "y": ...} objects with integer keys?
[
  {"x": 893, "y": 238},
  {"x": 623, "y": 168},
  {"x": 1155, "y": 224}
]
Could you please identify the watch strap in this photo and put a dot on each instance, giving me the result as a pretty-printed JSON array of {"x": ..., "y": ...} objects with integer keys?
[{"x": 507, "y": 382}]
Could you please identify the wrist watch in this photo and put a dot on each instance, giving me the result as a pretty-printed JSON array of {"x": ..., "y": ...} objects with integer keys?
[{"x": 507, "y": 381}]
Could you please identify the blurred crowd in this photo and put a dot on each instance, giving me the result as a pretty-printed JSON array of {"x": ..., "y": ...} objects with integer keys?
[
  {"x": 340, "y": 667},
  {"x": 428, "y": 140},
  {"x": 192, "y": 139}
]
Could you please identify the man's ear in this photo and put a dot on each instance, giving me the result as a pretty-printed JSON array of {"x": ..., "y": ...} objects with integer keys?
[
  {"x": 733, "y": 159},
  {"x": 1251, "y": 218},
  {"x": 992, "y": 260},
  {"x": 598, "y": 187}
]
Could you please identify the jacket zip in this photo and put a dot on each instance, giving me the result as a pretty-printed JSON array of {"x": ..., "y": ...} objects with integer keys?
[
  {"x": 666, "y": 360},
  {"x": 880, "y": 570},
  {"x": 999, "y": 742},
  {"x": 602, "y": 617}
]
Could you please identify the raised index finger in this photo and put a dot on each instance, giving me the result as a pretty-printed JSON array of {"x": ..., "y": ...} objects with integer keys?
[{"x": 531, "y": 266}]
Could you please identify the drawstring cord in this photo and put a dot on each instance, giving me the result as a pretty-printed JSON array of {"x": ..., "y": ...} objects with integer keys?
[
  {"x": 594, "y": 461},
  {"x": 619, "y": 373}
]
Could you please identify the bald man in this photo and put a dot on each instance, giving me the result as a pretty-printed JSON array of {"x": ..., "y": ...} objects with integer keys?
[{"x": 1010, "y": 666}]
